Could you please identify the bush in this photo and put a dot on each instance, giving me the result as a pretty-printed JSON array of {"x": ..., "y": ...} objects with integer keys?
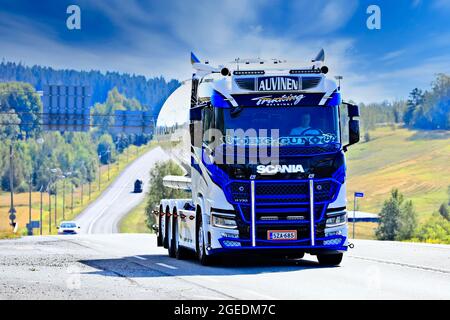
[{"x": 435, "y": 230}]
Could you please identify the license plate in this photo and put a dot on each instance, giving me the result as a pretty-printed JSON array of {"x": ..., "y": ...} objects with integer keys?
[{"x": 282, "y": 235}]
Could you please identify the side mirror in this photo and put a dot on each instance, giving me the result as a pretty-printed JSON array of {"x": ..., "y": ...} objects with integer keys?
[
  {"x": 352, "y": 110},
  {"x": 353, "y": 131},
  {"x": 353, "y": 124}
]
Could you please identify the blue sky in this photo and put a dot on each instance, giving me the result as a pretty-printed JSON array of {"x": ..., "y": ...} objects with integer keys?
[{"x": 155, "y": 37}]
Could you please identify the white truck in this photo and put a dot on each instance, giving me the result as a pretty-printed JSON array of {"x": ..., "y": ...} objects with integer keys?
[{"x": 244, "y": 200}]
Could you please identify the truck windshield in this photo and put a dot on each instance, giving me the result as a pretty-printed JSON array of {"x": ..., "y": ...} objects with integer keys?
[{"x": 311, "y": 125}]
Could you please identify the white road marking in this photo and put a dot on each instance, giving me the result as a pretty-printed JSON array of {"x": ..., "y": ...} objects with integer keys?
[
  {"x": 401, "y": 264},
  {"x": 260, "y": 295},
  {"x": 91, "y": 225},
  {"x": 140, "y": 258},
  {"x": 166, "y": 266}
]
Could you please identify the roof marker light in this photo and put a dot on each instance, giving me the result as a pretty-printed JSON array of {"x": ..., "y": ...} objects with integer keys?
[
  {"x": 304, "y": 71},
  {"x": 248, "y": 72}
]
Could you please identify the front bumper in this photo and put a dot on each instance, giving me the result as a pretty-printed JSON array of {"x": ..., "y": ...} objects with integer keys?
[
  {"x": 330, "y": 239},
  {"x": 330, "y": 243},
  {"x": 313, "y": 234}
]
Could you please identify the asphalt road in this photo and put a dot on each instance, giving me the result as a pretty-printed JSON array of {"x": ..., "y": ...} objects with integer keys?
[
  {"x": 125, "y": 266},
  {"x": 105, "y": 213}
]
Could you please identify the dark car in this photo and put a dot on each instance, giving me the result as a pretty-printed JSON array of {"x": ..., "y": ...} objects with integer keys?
[{"x": 138, "y": 186}]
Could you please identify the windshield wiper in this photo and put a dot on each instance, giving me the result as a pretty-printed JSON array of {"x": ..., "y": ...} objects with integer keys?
[{"x": 235, "y": 111}]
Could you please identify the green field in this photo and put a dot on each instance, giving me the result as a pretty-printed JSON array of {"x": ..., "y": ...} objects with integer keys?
[{"x": 417, "y": 163}]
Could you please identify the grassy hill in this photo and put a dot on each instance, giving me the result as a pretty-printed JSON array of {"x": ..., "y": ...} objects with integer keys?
[{"x": 415, "y": 162}]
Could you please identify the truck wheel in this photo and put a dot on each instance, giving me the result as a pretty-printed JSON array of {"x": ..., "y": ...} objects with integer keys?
[
  {"x": 166, "y": 231},
  {"x": 330, "y": 259},
  {"x": 159, "y": 239},
  {"x": 172, "y": 239},
  {"x": 200, "y": 243}
]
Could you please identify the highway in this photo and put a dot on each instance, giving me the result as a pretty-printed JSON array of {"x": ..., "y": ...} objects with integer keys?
[
  {"x": 127, "y": 266},
  {"x": 104, "y": 214}
]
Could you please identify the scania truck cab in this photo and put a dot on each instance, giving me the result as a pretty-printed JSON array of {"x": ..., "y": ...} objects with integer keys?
[{"x": 268, "y": 171}]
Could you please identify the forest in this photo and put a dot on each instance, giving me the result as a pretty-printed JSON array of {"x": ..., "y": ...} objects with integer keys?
[{"x": 151, "y": 93}]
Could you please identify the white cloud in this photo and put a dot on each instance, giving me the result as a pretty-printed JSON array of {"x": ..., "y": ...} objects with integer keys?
[{"x": 392, "y": 55}]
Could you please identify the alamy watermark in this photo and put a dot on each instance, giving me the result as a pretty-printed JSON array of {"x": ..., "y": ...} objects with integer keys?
[
  {"x": 73, "y": 21},
  {"x": 374, "y": 20}
]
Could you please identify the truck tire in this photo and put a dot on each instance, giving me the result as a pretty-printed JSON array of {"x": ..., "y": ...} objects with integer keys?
[
  {"x": 200, "y": 243},
  {"x": 159, "y": 239},
  {"x": 166, "y": 230},
  {"x": 330, "y": 259},
  {"x": 173, "y": 238}
]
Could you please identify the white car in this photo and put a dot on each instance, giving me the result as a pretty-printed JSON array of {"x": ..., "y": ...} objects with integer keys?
[{"x": 68, "y": 227}]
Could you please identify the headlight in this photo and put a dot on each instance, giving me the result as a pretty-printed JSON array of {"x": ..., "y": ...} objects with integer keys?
[
  {"x": 223, "y": 222},
  {"x": 336, "y": 220}
]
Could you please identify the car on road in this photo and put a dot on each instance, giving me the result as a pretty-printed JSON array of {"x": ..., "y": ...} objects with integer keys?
[
  {"x": 138, "y": 186},
  {"x": 68, "y": 227}
]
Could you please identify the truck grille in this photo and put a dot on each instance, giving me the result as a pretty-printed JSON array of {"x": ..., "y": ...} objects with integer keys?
[
  {"x": 280, "y": 213},
  {"x": 278, "y": 202},
  {"x": 276, "y": 193}
]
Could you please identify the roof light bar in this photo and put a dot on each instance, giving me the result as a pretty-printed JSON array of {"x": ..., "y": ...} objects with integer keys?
[
  {"x": 300, "y": 71},
  {"x": 248, "y": 72}
]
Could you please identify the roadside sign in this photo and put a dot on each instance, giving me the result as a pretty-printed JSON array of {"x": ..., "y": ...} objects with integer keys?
[
  {"x": 137, "y": 122},
  {"x": 359, "y": 194},
  {"x": 35, "y": 224},
  {"x": 66, "y": 108}
]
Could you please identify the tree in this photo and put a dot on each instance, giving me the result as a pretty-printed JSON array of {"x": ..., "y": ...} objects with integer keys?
[
  {"x": 415, "y": 99},
  {"x": 389, "y": 217},
  {"x": 22, "y": 100},
  {"x": 444, "y": 211},
  {"x": 157, "y": 189},
  {"x": 407, "y": 221},
  {"x": 106, "y": 149},
  {"x": 398, "y": 219}
]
